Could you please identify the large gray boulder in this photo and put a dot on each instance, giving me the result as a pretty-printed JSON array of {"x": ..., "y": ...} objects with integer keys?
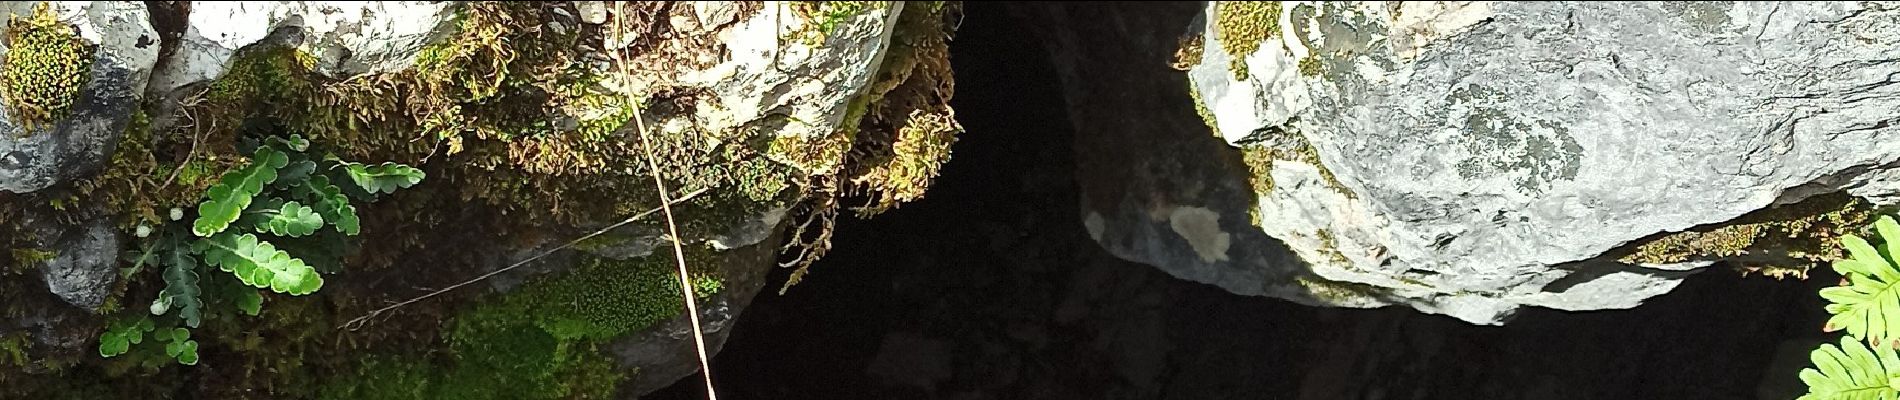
[{"x": 1471, "y": 158}]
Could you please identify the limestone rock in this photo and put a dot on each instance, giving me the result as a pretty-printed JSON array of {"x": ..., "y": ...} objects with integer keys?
[
  {"x": 1472, "y": 158},
  {"x": 347, "y": 37}
]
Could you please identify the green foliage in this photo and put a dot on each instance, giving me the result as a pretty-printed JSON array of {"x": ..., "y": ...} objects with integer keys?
[
  {"x": 332, "y": 205},
  {"x": 233, "y": 193},
  {"x": 121, "y": 334},
  {"x": 257, "y": 224},
  {"x": 1868, "y": 307},
  {"x": 179, "y": 345},
  {"x": 260, "y": 264},
  {"x": 1852, "y": 372},
  {"x": 292, "y": 219},
  {"x": 45, "y": 66},
  {"x": 181, "y": 286},
  {"x": 385, "y": 178},
  {"x": 603, "y": 298}
]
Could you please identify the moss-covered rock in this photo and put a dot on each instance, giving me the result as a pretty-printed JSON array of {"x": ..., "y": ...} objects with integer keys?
[{"x": 45, "y": 65}]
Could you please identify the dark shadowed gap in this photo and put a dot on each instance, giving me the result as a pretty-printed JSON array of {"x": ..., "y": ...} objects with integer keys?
[{"x": 989, "y": 289}]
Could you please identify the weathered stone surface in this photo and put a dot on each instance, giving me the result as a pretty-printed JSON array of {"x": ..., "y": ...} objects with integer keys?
[
  {"x": 85, "y": 267},
  {"x": 78, "y": 144},
  {"x": 1471, "y": 158},
  {"x": 81, "y": 260},
  {"x": 347, "y": 37}
]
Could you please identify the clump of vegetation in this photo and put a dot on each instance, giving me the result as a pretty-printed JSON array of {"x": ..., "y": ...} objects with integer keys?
[
  {"x": 895, "y": 138},
  {"x": 46, "y": 64},
  {"x": 826, "y": 16},
  {"x": 1261, "y": 150},
  {"x": 1241, "y": 26},
  {"x": 283, "y": 199},
  {"x": 1805, "y": 232}
]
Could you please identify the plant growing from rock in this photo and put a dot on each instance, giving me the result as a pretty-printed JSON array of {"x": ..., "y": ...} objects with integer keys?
[
  {"x": 248, "y": 226},
  {"x": 45, "y": 66},
  {"x": 1867, "y": 306}
]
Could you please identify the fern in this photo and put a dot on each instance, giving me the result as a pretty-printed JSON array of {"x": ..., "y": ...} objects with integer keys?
[
  {"x": 247, "y": 300},
  {"x": 234, "y": 191},
  {"x": 332, "y": 205},
  {"x": 1852, "y": 372},
  {"x": 181, "y": 287},
  {"x": 292, "y": 219},
  {"x": 1869, "y": 306},
  {"x": 121, "y": 334},
  {"x": 384, "y": 178},
  {"x": 180, "y": 346},
  {"x": 259, "y": 264},
  {"x": 284, "y": 195}
]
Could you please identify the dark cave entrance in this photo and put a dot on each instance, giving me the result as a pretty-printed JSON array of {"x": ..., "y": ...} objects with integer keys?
[{"x": 990, "y": 289}]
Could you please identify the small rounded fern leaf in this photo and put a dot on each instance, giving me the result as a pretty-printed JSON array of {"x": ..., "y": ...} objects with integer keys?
[
  {"x": 1852, "y": 372},
  {"x": 259, "y": 264},
  {"x": 292, "y": 220},
  {"x": 384, "y": 178},
  {"x": 1869, "y": 305}
]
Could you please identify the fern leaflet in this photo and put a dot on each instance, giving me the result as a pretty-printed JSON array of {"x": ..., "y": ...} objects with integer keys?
[
  {"x": 1852, "y": 372},
  {"x": 259, "y": 264},
  {"x": 233, "y": 192},
  {"x": 1869, "y": 305}
]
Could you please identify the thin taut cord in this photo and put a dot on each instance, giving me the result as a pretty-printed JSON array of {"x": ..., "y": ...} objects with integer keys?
[{"x": 666, "y": 208}]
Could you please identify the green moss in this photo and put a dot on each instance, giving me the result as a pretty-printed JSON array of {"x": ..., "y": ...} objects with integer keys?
[
  {"x": 1330, "y": 247},
  {"x": 1200, "y": 108},
  {"x": 540, "y": 341},
  {"x": 823, "y": 17},
  {"x": 383, "y": 378},
  {"x": 604, "y": 298},
  {"x": 13, "y": 350},
  {"x": 1260, "y": 157},
  {"x": 28, "y": 258},
  {"x": 1241, "y": 26},
  {"x": 1806, "y": 230},
  {"x": 1310, "y": 67},
  {"x": 46, "y": 64},
  {"x": 1337, "y": 291}
]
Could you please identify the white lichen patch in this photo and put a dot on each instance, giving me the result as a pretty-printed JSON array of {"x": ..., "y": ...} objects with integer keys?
[
  {"x": 1201, "y": 228},
  {"x": 1416, "y": 24},
  {"x": 1095, "y": 225}
]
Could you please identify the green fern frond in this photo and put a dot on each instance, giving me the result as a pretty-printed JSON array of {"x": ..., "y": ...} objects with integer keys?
[
  {"x": 181, "y": 286},
  {"x": 121, "y": 334},
  {"x": 259, "y": 264},
  {"x": 1869, "y": 305},
  {"x": 1852, "y": 372},
  {"x": 234, "y": 191},
  {"x": 332, "y": 205},
  {"x": 294, "y": 173},
  {"x": 248, "y": 300},
  {"x": 292, "y": 220},
  {"x": 384, "y": 178}
]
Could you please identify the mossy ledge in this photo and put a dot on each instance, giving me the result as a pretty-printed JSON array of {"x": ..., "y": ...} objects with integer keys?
[{"x": 1793, "y": 235}]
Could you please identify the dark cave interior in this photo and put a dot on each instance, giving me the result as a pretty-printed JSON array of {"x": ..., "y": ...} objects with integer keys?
[{"x": 990, "y": 289}]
